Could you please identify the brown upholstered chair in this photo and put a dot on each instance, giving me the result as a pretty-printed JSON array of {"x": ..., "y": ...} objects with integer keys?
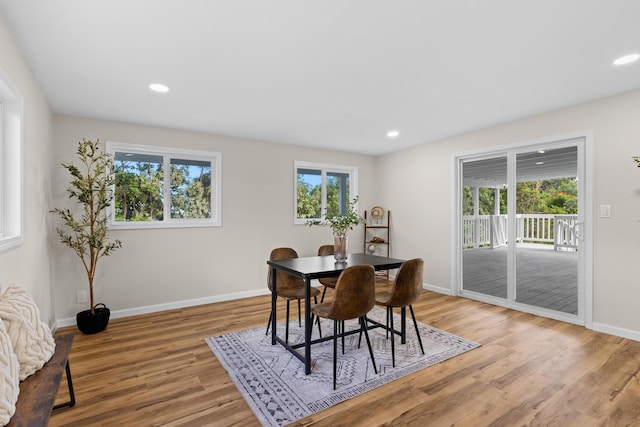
[
  {"x": 353, "y": 298},
  {"x": 289, "y": 287},
  {"x": 327, "y": 282},
  {"x": 405, "y": 290}
]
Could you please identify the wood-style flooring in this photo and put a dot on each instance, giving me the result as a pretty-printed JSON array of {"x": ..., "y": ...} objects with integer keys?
[{"x": 157, "y": 370}]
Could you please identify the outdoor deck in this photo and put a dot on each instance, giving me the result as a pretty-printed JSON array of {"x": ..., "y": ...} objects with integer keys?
[{"x": 545, "y": 278}]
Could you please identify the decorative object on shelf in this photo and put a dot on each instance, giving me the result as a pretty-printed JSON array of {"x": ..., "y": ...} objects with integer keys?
[
  {"x": 371, "y": 249},
  {"x": 377, "y": 213},
  {"x": 340, "y": 224},
  {"x": 377, "y": 240},
  {"x": 87, "y": 235}
]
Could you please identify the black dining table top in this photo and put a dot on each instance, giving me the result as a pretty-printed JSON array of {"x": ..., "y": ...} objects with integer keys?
[{"x": 316, "y": 267}]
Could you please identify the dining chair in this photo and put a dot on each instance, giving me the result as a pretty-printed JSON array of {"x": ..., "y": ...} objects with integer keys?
[
  {"x": 405, "y": 290},
  {"x": 327, "y": 282},
  {"x": 353, "y": 298},
  {"x": 289, "y": 287}
]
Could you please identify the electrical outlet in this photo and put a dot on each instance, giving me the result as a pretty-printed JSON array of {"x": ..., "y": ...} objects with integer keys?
[{"x": 81, "y": 297}]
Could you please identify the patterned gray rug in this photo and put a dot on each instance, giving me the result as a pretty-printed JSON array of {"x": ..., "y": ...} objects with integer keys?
[{"x": 276, "y": 388}]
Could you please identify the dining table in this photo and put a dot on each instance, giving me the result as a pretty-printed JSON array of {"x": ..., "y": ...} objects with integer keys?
[{"x": 309, "y": 269}]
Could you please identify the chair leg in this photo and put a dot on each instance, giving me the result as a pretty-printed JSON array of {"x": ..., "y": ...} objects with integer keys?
[
  {"x": 335, "y": 351},
  {"x": 387, "y": 322},
  {"x": 323, "y": 294},
  {"x": 269, "y": 323},
  {"x": 363, "y": 327},
  {"x": 342, "y": 333},
  {"x": 315, "y": 299},
  {"x": 393, "y": 340},
  {"x": 416, "y": 326}
]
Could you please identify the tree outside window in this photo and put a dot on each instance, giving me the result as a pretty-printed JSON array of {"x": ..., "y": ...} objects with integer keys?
[
  {"x": 322, "y": 190},
  {"x": 165, "y": 188}
]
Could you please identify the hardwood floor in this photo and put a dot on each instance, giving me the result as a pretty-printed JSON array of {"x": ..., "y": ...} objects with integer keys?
[{"x": 157, "y": 370}]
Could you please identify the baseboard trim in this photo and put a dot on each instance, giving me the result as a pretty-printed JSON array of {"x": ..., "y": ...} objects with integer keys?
[
  {"x": 116, "y": 314},
  {"x": 438, "y": 289},
  {"x": 619, "y": 332}
]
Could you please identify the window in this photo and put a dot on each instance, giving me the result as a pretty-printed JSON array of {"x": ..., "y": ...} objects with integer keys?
[
  {"x": 323, "y": 190},
  {"x": 10, "y": 165},
  {"x": 165, "y": 187}
]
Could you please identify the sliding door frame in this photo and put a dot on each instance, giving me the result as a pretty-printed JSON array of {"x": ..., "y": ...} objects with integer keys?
[{"x": 584, "y": 141}]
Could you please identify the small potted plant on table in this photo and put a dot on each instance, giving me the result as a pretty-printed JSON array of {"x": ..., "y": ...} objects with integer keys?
[{"x": 340, "y": 224}]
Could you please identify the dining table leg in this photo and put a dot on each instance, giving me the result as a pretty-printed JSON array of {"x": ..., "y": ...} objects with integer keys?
[
  {"x": 307, "y": 325},
  {"x": 274, "y": 299}
]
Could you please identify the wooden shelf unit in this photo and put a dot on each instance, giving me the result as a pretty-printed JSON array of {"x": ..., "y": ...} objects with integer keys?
[{"x": 381, "y": 230}]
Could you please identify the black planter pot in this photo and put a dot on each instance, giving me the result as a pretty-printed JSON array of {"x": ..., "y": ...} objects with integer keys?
[{"x": 93, "y": 323}]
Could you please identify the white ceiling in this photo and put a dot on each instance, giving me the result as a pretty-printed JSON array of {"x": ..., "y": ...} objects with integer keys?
[{"x": 336, "y": 74}]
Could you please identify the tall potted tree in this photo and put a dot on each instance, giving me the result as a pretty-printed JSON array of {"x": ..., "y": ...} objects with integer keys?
[{"x": 86, "y": 233}]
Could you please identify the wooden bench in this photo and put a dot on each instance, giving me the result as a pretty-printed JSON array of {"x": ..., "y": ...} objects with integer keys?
[{"x": 38, "y": 392}]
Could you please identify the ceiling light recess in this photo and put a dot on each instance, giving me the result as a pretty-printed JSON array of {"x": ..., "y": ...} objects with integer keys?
[
  {"x": 159, "y": 87},
  {"x": 393, "y": 134},
  {"x": 627, "y": 59}
]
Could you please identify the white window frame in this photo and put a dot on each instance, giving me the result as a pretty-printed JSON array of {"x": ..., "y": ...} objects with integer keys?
[
  {"x": 324, "y": 168},
  {"x": 169, "y": 153},
  {"x": 11, "y": 199}
]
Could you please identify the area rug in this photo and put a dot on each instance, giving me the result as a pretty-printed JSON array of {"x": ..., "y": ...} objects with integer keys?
[{"x": 273, "y": 381}]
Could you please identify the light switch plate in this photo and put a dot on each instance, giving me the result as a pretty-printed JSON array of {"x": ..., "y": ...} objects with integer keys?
[{"x": 605, "y": 211}]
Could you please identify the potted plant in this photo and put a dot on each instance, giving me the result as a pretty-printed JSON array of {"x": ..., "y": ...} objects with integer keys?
[
  {"x": 87, "y": 233},
  {"x": 340, "y": 224}
]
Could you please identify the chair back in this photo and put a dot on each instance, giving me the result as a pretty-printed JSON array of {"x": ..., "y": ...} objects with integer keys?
[
  {"x": 355, "y": 293},
  {"x": 407, "y": 285},
  {"x": 325, "y": 250},
  {"x": 284, "y": 279}
]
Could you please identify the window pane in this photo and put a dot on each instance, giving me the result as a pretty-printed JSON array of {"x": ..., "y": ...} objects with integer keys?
[
  {"x": 190, "y": 188},
  {"x": 139, "y": 187},
  {"x": 337, "y": 193},
  {"x": 309, "y": 193}
]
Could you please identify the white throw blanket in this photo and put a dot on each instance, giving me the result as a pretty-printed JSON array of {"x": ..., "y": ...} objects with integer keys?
[
  {"x": 9, "y": 377},
  {"x": 32, "y": 341}
]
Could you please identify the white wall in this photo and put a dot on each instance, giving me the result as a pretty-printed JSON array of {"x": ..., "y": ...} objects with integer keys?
[
  {"x": 164, "y": 266},
  {"x": 28, "y": 265},
  {"x": 423, "y": 213}
]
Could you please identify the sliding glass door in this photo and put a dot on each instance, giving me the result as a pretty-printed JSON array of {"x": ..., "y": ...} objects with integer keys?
[
  {"x": 484, "y": 217},
  {"x": 521, "y": 228},
  {"x": 547, "y": 228}
]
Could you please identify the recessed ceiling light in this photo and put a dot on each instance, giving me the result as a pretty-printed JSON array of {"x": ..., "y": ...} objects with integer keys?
[
  {"x": 541, "y": 151},
  {"x": 627, "y": 59},
  {"x": 159, "y": 87},
  {"x": 539, "y": 163},
  {"x": 393, "y": 133}
]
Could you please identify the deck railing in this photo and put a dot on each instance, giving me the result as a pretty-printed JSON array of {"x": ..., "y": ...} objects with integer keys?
[{"x": 491, "y": 230}]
